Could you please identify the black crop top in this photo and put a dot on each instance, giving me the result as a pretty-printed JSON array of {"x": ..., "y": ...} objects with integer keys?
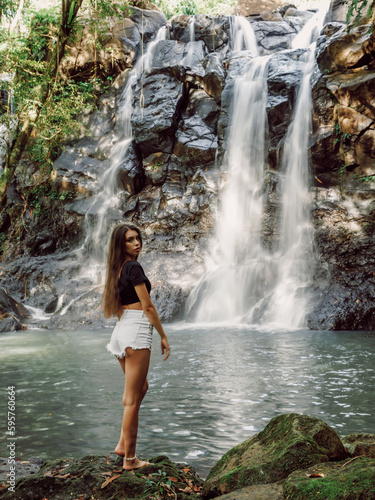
[{"x": 132, "y": 274}]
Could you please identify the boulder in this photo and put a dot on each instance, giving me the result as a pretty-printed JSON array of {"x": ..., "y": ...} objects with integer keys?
[
  {"x": 354, "y": 480},
  {"x": 78, "y": 173},
  {"x": 273, "y": 36},
  {"x": 289, "y": 442},
  {"x": 213, "y": 80},
  {"x": 213, "y": 31},
  {"x": 359, "y": 445},
  {"x": 344, "y": 51},
  {"x": 130, "y": 174},
  {"x": 11, "y": 306},
  {"x": 154, "y": 121},
  {"x": 148, "y": 22}
]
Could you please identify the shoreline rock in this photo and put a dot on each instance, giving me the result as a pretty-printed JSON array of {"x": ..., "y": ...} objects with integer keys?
[{"x": 294, "y": 457}]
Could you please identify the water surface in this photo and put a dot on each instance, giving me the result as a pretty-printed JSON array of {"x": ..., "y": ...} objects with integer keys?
[{"x": 220, "y": 386}]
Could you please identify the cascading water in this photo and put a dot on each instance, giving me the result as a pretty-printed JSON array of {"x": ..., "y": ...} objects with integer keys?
[
  {"x": 242, "y": 36},
  {"x": 237, "y": 244},
  {"x": 224, "y": 291},
  {"x": 244, "y": 279},
  {"x": 108, "y": 199}
]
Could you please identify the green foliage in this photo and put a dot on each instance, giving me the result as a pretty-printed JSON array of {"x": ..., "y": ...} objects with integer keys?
[
  {"x": 364, "y": 178},
  {"x": 40, "y": 193},
  {"x": 191, "y": 7},
  {"x": 358, "y": 8},
  {"x": 156, "y": 487}
]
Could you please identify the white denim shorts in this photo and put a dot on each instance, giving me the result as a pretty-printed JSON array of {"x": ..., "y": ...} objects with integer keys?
[{"x": 132, "y": 330}]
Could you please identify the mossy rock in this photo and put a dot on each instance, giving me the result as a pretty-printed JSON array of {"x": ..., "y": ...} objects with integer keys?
[
  {"x": 289, "y": 442},
  {"x": 360, "y": 444},
  {"x": 350, "y": 479},
  {"x": 96, "y": 477}
]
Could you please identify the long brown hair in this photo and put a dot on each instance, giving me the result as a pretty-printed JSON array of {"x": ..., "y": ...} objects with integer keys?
[{"x": 116, "y": 259}]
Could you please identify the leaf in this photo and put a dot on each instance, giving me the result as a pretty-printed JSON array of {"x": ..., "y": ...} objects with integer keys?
[
  {"x": 109, "y": 480},
  {"x": 173, "y": 479},
  {"x": 106, "y": 473},
  {"x": 186, "y": 470},
  {"x": 316, "y": 475},
  {"x": 64, "y": 476}
]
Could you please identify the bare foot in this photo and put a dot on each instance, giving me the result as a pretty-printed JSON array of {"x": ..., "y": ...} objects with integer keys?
[
  {"x": 134, "y": 464},
  {"x": 119, "y": 450}
]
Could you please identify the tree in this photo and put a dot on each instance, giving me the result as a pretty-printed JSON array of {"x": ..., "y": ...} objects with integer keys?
[{"x": 46, "y": 74}]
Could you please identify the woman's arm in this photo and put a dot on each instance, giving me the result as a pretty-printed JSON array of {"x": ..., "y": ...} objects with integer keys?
[{"x": 152, "y": 315}]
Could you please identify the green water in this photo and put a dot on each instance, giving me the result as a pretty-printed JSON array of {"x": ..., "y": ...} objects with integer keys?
[{"x": 220, "y": 386}]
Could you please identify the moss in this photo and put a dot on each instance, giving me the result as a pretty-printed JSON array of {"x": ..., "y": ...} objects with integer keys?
[
  {"x": 355, "y": 480},
  {"x": 72, "y": 478}
]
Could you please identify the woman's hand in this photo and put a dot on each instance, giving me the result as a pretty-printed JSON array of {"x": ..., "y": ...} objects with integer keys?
[{"x": 165, "y": 347}]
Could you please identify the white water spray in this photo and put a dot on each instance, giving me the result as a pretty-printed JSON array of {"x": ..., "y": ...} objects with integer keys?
[
  {"x": 224, "y": 291},
  {"x": 242, "y": 35}
]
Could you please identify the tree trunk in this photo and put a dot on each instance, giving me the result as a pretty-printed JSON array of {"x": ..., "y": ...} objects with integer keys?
[{"x": 68, "y": 14}]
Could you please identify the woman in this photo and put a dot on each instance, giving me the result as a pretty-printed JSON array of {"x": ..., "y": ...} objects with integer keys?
[{"x": 127, "y": 296}]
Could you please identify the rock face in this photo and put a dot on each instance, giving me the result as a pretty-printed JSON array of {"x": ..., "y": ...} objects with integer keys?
[
  {"x": 166, "y": 174},
  {"x": 289, "y": 442}
]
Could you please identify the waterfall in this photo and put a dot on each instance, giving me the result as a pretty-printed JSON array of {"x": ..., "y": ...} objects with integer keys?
[
  {"x": 234, "y": 276},
  {"x": 245, "y": 281},
  {"x": 188, "y": 59},
  {"x": 242, "y": 36},
  {"x": 295, "y": 260},
  {"x": 108, "y": 200}
]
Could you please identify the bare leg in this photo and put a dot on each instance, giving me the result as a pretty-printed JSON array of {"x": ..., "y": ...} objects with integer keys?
[
  {"x": 136, "y": 368},
  {"x": 120, "y": 447}
]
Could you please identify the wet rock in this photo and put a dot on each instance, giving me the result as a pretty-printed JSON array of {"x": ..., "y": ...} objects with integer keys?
[
  {"x": 213, "y": 31},
  {"x": 179, "y": 56},
  {"x": 78, "y": 173},
  {"x": 273, "y": 36},
  {"x": 148, "y": 22},
  {"x": 9, "y": 305},
  {"x": 289, "y": 442},
  {"x": 154, "y": 123},
  {"x": 130, "y": 174},
  {"x": 214, "y": 77},
  {"x": 284, "y": 76},
  {"x": 10, "y": 324},
  {"x": 156, "y": 168}
]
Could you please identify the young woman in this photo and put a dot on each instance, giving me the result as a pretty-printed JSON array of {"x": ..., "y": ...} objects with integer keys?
[{"x": 127, "y": 296}]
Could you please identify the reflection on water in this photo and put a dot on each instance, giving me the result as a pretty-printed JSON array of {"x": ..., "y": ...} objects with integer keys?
[{"x": 220, "y": 386}]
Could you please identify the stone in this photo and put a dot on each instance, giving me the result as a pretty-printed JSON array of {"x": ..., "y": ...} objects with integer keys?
[
  {"x": 130, "y": 174},
  {"x": 10, "y": 324},
  {"x": 344, "y": 51},
  {"x": 67, "y": 478},
  {"x": 214, "y": 76},
  {"x": 148, "y": 22},
  {"x": 78, "y": 173},
  {"x": 213, "y": 31},
  {"x": 359, "y": 445},
  {"x": 273, "y": 36},
  {"x": 289, "y": 442},
  {"x": 154, "y": 123},
  {"x": 355, "y": 480},
  {"x": 9, "y": 305}
]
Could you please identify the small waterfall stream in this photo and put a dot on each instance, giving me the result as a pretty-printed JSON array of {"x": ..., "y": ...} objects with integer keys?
[{"x": 108, "y": 199}]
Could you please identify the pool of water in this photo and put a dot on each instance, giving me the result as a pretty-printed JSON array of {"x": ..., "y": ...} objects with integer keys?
[{"x": 220, "y": 386}]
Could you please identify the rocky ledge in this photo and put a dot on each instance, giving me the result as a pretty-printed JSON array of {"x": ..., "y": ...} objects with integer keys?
[{"x": 294, "y": 457}]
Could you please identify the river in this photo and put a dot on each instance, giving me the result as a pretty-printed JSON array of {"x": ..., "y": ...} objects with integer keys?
[{"x": 221, "y": 385}]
